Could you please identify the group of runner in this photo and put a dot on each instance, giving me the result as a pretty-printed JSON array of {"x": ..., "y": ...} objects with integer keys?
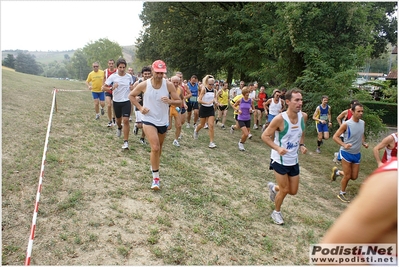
[{"x": 159, "y": 101}]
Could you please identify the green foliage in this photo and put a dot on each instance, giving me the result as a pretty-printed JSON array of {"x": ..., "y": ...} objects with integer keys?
[
  {"x": 9, "y": 61},
  {"x": 26, "y": 63},
  {"x": 101, "y": 51},
  {"x": 79, "y": 63},
  {"x": 388, "y": 112},
  {"x": 305, "y": 44}
]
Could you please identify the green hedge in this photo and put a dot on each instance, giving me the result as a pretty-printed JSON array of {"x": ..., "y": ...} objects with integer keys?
[{"x": 390, "y": 116}]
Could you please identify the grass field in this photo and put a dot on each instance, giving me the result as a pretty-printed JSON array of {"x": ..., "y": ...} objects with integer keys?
[{"x": 96, "y": 206}]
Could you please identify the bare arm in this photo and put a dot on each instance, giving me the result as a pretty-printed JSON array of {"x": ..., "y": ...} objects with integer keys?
[
  {"x": 175, "y": 99},
  {"x": 371, "y": 216},
  {"x": 340, "y": 131},
  {"x": 316, "y": 114},
  {"x": 342, "y": 116},
  {"x": 383, "y": 144},
  {"x": 139, "y": 88},
  {"x": 277, "y": 124}
]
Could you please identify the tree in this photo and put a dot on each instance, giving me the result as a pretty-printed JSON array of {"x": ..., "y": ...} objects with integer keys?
[
  {"x": 101, "y": 51},
  {"x": 26, "y": 63},
  {"x": 9, "y": 61},
  {"x": 79, "y": 67}
]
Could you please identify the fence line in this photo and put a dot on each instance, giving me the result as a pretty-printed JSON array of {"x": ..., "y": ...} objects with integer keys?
[{"x": 39, "y": 188}]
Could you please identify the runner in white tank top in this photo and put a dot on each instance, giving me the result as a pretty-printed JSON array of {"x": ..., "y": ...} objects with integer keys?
[
  {"x": 288, "y": 131},
  {"x": 156, "y": 103}
]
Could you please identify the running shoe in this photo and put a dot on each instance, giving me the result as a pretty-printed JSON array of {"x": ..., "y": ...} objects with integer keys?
[
  {"x": 255, "y": 127},
  {"x": 273, "y": 193},
  {"x": 232, "y": 129},
  {"x": 343, "y": 198},
  {"x": 102, "y": 111},
  {"x": 125, "y": 145},
  {"x": 241, "y": 146},
  {"x": 223, "y": 127},
  {"x": 130, "y": 119},
  {"x": 188, "y": 126},
  {"x": 335, "y": 159},
  {"x": 195, "y": 134},
  {"x": 142, "y": 141},
  {"x": 249, "y": 136},
  {"x": 212, "y": 145},
  {"x": 318, "y": 150},
  {"x": 155, "y": 184},
  {"x": 206, "y": 126},
  {"x": 277, "y": 218},
  {"x": 119, "y": 132},
  {"x": 97, "y": 116},
  {"x": 176, "y": 143},
  {"x": 109, "y": 124},
  {"x": 334, "y": 175},
  {"x": 135, "y": 129}
]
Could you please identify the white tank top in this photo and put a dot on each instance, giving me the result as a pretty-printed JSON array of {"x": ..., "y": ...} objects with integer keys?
[
  {"x": 208, "y": 97},
  {"x": 274, "y": 109},
  {"x": 289, "y": 139},
  {"x": 159, "y": 111}
]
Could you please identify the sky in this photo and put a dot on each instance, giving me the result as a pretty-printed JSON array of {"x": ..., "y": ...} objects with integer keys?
[{"x": 67, "y": 25}]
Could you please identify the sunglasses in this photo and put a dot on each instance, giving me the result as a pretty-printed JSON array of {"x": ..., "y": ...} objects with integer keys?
[{"x": 95, "y": 66}]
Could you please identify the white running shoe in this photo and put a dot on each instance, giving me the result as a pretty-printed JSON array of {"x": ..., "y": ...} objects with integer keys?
[
  {"x": 97, "y": 116},
  {"x": 195, "y": 134},
  {"x": 206, "y": 126},
  {"x": 249, "y": 136},
  {"x": 232, "y": 129},
  {"x": 109, "y": 124},
  {"x": 125, "y": 145},
  {"x": 255, "y": 127},
  {"x": 188, "y": 126},
  {"x": 212, "y": 145},
  {"x": 241, "y": 146},
  {"x": 277, "y": 218},
  {"x": 273, "y": 193},
  {"x": 119, "y": 132},
  {"x": 176, "y": 143}
]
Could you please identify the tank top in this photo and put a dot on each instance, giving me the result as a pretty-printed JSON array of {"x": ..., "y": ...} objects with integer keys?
[
  {"x": 262, "y": 98},
  {"x": 323, "y": 115},
  {"x": 224, "y": 97},
  {"x": 289, "y": 139},
  {"x": 245, "y": 106},
  {"x": 107, "y": 74},
  {"x": 390, "y": 153},
  {"x": 349, "y": 114},
  {"x": 159, "y": 111},
  {"x": 194, "y": 91},
  {"x": 274, "y": 109},
  {"x": 208, "y": 97},
  {"x": 388, "y": 166},
  {"x": 353, "y": 135}
]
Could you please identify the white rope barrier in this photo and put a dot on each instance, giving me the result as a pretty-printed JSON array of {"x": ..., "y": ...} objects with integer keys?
[{"x": 39, "y": 188}]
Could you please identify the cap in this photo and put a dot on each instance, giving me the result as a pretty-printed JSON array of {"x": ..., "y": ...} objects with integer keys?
[{"x": 159, "y": 66}]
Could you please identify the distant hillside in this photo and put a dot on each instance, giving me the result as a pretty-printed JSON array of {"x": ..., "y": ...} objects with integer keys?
[{"x": 46, "y": 57}]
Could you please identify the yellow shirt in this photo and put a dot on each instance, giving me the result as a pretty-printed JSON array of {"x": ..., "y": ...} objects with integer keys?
[
  {"x": 235, "y": 99},
  {"x": 96, "y": 79},
  {"x": 224, "y": 97}
]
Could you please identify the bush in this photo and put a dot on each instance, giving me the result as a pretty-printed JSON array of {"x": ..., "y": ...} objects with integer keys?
[{"x": 388, "y": 112}]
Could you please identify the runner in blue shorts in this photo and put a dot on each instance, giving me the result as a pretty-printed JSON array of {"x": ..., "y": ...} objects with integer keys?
[
  {"x": 322, "y": 117},
  {"x": 349, "y": 153}
]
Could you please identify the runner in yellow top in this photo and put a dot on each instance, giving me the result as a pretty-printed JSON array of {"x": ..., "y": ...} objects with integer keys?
[
  {"x": 223, "y": 98},
  {"x": 96, "y": 78}
]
